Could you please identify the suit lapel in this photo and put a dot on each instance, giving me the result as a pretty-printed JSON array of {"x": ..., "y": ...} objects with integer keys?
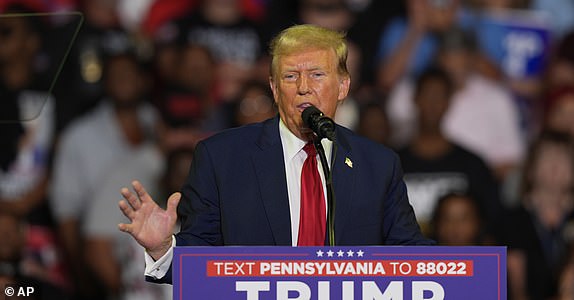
[
  {"x": 343, "y": 182},
  {"x": 270, "y": 170}
]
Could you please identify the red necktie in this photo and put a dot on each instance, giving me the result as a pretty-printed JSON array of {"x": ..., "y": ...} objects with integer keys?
[{"x": 312, "y": 215}]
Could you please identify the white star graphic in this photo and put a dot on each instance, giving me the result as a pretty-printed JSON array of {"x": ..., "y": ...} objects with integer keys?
[
  {"x": 320, "y": 253},
  {"x": 330, "y": 253},
  {"x": 350, "y": 253},
  {"x": 340, "y": 253},
  {"x": 360, "y": 253}
]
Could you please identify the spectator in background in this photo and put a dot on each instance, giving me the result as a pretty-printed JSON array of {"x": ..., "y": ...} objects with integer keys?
[
  {"x": 536, "y": 232},
  {"x": 373, "y": 123},
  {"x": 332, "y": 14},
  {"x": 15, "y": 267},
  {"x": 80, "y": 83},
  {"x": 555, "y": 110},
  {"x": 164, "y": 63},
  {"x": 482, "y": 112},
  {"x": 27, "y": 138},
  {"x": 115, "y": 258},
  {"x": 515, "y": 42},
  {"x": 559, "y": 110},
  {"x": 560, "y": 70},
  {"x": 30, "y": 109},
  {"x": 555, "y": 107},
  {"x": 408, "y": 44},
  {"x": 101, "y": 145},
  {"x": 161, "y": 12},
  {"x": 234, "y": 41},
  {"x": 178, "y": 162},
  {"x": 492, "y": 22},
  {"x": 59, "y": 21},
  {"x": 369, "y": 23},
  {"x": 457, "y": 221},
  {"x": 131, "y": 14},
  {"x": 558, "y": 116},
  {"x": 189, "y": 86},
  {"x": 255, "y": 105},
  {"x": 195, "y": 72},
  {"x": 434, "y": 165},
  {"x": 189, "y": 103},
  {"x": 558, "y": 79}
]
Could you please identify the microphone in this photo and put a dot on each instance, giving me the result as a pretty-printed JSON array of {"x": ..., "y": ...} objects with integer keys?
[{"x": 321, "y": 125}]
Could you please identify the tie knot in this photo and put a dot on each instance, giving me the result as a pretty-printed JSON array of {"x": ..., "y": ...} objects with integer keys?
[{"x": 310, "y": 149}]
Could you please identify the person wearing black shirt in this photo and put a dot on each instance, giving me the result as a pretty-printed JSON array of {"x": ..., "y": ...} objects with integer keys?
[{"x": 435, "y": 166}]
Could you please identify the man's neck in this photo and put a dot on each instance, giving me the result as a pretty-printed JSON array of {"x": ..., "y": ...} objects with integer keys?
[
  {"x": 129, "y": 122},
  {"x": 291, "y": 140},
  {"x": 430, "y": 146}
]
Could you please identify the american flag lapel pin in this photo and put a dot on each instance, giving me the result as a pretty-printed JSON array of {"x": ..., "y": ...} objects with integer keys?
[{"x": 348, "y": 162}]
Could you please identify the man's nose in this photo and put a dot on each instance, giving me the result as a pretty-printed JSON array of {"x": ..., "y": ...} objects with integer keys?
[{"x": 302, "y": 85}]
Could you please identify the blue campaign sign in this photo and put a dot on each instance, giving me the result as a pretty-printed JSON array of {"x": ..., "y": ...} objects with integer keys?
[
  {"x": 346, "y": 273},
  {"x": 518, "y": 41}
]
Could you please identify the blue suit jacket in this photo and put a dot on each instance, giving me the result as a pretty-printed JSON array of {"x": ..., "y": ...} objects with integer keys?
[{"x": 236, "y": 193}]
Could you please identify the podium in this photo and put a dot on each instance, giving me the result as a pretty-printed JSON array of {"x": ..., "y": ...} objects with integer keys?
[{"x": 339, "y": 273}]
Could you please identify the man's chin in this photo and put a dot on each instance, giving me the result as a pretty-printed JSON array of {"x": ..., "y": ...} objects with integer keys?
[{"x": 306, "y": 133}]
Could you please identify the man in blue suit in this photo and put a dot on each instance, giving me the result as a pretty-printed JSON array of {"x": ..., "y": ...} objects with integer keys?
[{"x": 244, "y": 184}]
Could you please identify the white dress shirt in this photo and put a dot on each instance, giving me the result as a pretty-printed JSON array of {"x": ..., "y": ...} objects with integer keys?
[{"x": 294, "y": 157}]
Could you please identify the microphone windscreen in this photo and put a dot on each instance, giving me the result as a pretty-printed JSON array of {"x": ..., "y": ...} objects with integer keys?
[{"x": 308, "y": 114}]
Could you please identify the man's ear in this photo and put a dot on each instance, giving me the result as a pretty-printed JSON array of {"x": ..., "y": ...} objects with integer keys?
[{"x": 344, "y": 85}]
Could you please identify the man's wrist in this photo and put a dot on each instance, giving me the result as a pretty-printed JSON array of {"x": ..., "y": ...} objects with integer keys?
[{"x": 161, "y": 250}]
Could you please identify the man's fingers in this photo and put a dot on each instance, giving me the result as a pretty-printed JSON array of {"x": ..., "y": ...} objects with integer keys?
[
  {"x": 127, "y": 210},
  {"x": 141, "y": 192},
  {"x": 125, "y": 228},
  {"x": 172, "y": 203},
  {"x": 131, "y": 198}
]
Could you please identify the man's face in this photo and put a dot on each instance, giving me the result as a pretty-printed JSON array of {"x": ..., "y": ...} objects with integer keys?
[
  {"x": 460, "y": 224},
  {"x": 125, "y": 83},
  {"x": 307, "y": 78},
  {"x": 432, "y": 103}
]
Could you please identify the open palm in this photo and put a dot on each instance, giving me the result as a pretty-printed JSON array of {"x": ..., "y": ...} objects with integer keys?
[{"x": 151, "y": 226}]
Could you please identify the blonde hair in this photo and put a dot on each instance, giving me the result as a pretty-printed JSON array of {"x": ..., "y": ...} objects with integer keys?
[{"x": 302, "y": 37}]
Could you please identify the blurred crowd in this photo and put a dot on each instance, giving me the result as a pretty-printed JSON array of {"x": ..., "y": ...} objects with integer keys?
[{"x": 476, "y": 97}]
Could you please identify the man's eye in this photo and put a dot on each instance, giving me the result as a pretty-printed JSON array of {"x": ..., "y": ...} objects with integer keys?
[{"x": 317, "y": 74}]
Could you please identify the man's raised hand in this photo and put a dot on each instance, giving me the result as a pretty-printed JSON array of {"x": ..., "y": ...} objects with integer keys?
[{"x": 151, "y": 226}]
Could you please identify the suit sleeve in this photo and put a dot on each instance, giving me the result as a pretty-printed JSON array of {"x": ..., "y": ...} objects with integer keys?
[
  {"x": 199, "y": 211},
  {"x": 399, "y": 221}
]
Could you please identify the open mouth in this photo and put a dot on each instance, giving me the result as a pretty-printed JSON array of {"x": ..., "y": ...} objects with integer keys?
[{"x": 301, "y": 107}]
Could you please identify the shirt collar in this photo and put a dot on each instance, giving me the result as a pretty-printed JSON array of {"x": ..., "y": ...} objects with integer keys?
[{"x": 292, "y": 144}]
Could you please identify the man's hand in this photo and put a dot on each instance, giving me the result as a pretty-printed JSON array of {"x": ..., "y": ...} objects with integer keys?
[{"x": 151, "y": 226}]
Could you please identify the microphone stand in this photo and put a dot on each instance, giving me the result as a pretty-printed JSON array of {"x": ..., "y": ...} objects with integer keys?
[{"x": 330, "y": 189}]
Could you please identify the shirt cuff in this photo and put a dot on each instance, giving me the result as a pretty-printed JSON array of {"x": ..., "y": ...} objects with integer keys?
[{"x": 158, "y": 268}]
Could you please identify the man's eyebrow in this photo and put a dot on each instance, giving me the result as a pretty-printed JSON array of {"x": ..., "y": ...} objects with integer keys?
[{"x": 312, "y": 68}]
